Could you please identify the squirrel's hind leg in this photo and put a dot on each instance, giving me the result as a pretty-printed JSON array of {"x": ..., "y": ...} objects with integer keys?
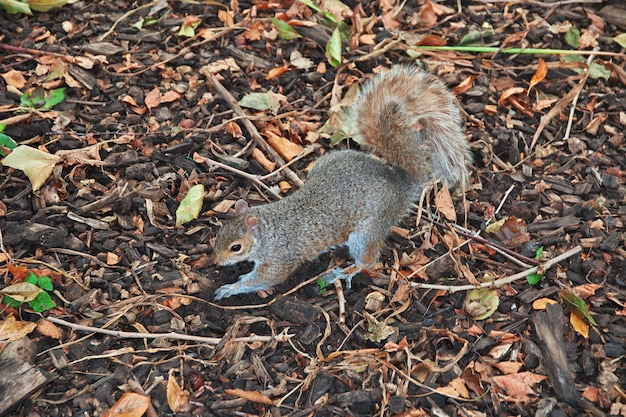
[{"x": 364, "y": 250}]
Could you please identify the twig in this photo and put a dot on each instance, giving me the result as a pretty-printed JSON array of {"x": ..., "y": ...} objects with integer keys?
[
  {"x": 502, "y": 281},
  {"x": 572, "y": 110},
  {"x": 251, "y": 177},
  {"x": 171, "y": 335},
  {"x": 124, "y": 16},
  {"x": 558, "y": 107},
  {"x": 252, "y": 130}
]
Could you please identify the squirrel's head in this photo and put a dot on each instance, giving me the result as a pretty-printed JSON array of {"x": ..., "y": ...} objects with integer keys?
[{"x": 237, "y": 239}]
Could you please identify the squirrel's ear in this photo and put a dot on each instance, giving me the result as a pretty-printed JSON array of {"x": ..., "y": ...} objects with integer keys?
[
  {"x": 252, "y": 225},
  {"x": 241, "y": 207}
]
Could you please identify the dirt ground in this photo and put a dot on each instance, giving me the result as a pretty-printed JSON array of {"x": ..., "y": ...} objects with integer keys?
[{"x": 135, "y": 99}]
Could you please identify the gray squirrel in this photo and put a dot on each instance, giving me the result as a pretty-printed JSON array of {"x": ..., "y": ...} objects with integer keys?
[{"x": 410, "y": 122}]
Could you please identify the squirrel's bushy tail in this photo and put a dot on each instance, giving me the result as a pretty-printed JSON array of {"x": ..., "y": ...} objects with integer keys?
[{"x": 409, "y": 118}]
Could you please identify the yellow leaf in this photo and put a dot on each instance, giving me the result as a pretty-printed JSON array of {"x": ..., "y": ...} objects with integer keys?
[
  {"x": 176, "y": 397},
  {"x": 579, "y": 324},
  {"x": 11, "y": 329},
  {"x": 36, "y": 164},
  {"x": 542, "y": 303}
]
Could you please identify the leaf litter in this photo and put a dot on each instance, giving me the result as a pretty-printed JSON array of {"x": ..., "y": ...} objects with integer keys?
[{"x": 137, "y": 108}]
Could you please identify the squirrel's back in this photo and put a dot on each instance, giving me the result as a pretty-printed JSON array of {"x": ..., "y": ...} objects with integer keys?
[{"x": 410, "y": 118}]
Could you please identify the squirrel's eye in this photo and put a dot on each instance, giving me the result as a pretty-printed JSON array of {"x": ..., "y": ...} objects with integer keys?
[{"x": 235, "y": 248}]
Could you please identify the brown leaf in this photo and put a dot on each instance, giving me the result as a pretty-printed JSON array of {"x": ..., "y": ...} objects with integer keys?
[
  {"x": 153, "y": 98},
  {"x": 465, "y": 85},
  {"x": 47, "y": 328},
  {"x": 285, "y": 148},
  {"x": 517, "y": 387},
  {"x": 253, "y": 396},
  {"x": 539, "y": 75},
  {"x": 443, "y": 202},
  {"x": 14, "y": 79}
]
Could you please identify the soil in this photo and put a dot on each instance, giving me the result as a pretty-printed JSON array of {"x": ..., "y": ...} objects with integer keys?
[{"x": 134, "y": 328}]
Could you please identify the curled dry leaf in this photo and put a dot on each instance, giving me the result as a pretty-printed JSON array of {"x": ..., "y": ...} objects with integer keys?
[
  {"x": 539, "y": 75},
  {"x": 253, "y": 396}
]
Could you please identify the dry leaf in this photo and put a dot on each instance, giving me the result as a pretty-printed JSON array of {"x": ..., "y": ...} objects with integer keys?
[
  {"x": 153, "y": 98},
  {"x": 177, "y": 398},
  {"x": 517, "y": 387},
  {"x": 579, "y": 324},
  {"x": 443, "y": 202},
  {"x": 542, "y": 303},
  {"x": 129, "y": 405},
  {"x": 539, "y": 75},
  {"x": 11, "y": 329},
  {"x": 253, "y": 396},
  {"x": 36, "y": 164},
  {"x": 47, "y": 328},
  {"x": 285, "y": 148},
  {"x": 260, "y": 157},
  {"x": 15, "y": 79}
]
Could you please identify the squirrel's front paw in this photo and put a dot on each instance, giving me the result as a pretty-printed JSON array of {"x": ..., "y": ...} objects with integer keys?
[{"x": 226, "y": 291}]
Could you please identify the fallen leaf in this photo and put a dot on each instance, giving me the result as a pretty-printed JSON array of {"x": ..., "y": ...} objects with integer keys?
[
  {"x": 36, "y": 164},
  {"x": 579, "y": 324},
  {"x": 253, "y": 396},
  {"x": 47, "y": 328},
  {"x": 130, "y": 404},
  {"x": 443, "y": 202},
  {"x": 177, "y": 398},
  {"x": 190, "y": 207},
  {"x": 153, "y": 98},
  {"x": 285, "y": 148},
  {"x": 539, "y": 75},
  {"x": 14, "y": 79},
  {"x": 12, "y": 329},
  {"x": 23, "y": 292}
]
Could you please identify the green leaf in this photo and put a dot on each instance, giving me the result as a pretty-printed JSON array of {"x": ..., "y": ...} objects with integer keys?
[
  {"x": 43, "y": 302},
  {"x": 6, "y": 142},
  {"x": 191, "y": 205},
  {"x": 285, "y": 31},
  {"x": 187, "y": 31},
  {"x": 31, "y": 278},
  {"x": 322, "y": 284},
  {"x": 595, "y": 70},
  {"x": 333, "y": 49},
  {"x": 572, "y": 37},
  {"x": 311, "y": 5},
  {"x": 10, "y": 301},
  {"x": 15, "y": 6},
  {"x": 54, "y": 97},
  {"x": 534, "y": 278},
  {"x": 45, "y": 283},
  {"x": 599, "y": 71},
  {"x": 575, "y": 301},
  {"x": 37, "y": 165},
  {"x": 620, "y": 39},
  {"x": 477, "y": 38},
  {"x": 481, "y": 303}
]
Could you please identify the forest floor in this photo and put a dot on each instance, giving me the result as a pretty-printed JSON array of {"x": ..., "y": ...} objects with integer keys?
[{"x": 120, "y": 108}]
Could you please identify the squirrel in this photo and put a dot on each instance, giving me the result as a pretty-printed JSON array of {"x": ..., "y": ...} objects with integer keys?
[{"x": 411, "y": 123}]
